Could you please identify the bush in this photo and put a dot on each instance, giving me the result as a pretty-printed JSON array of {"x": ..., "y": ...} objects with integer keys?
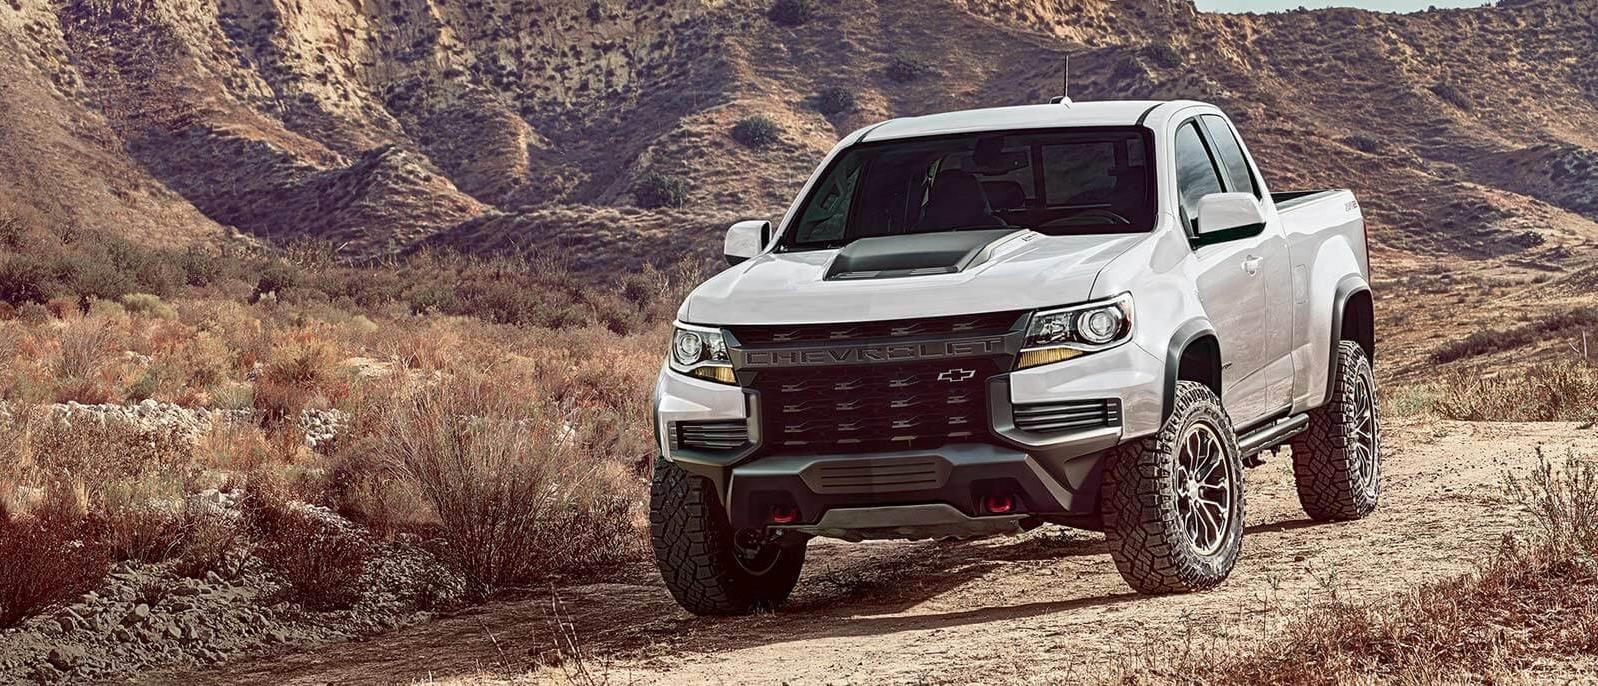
[
  {"x": 1365, "y": 144},
  {"x": 1163, "y": 55},
  {"x": 321, "y": 562},
  {"x": 756, "y": 131},
  {"x": 1452, "y": 95},
  {"x": 790, "y": 12},
  {"x": 45, "y": 560},
  {"x": 148, "y": 304},
  {"x": 834, "y": 101},
  {"x": 1558, "y": 391},
  {"x": 517, "y": 494},
  {"x": 1497, "y": 340},
  {"x": 657, "y": 190},
  {"x": 299, "y": 375},
  {"x": 23, "y": 279},
  {"x": 904, "y": 68}
]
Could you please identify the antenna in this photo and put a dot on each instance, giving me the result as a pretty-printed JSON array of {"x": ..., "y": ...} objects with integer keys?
[{"x": 1065, "y": 85}]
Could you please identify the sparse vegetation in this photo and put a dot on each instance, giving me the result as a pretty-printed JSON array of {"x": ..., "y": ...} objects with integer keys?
[
  {"x": 756, "y": 131},
  {"x": 1163, "y": 55},
  {"x": 1533, "y": 601},
  {"x": 1557, "y": 326},
  {"x": 1553, "y": 391},
  {"x": 1364, "y": 143},
  {"x": 658, "y": 189},
  {"x": 1452, "y": 95},
  {"x": 46, "y": 557},
  {"x": 905, "y": 67},
  {"x": 791, "y": 12},
  {"x": 835, "y": 100}
]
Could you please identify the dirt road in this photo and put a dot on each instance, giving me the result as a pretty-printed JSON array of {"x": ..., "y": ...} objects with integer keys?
[{"x": 1045, "y": 606}]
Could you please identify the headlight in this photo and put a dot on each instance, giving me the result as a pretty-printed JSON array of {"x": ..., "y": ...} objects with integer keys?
[
  {"x": 702, "y": 352},
  {"x": 1067, "y": 332}
]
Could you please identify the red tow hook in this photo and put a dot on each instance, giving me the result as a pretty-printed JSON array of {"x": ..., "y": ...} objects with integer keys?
[
  {"x": 998, "y": 504},
  {"x": 782, "y": 514}
]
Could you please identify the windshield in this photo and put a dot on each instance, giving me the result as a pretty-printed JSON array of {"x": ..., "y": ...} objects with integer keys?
[{"x": 1063, "y": 181}]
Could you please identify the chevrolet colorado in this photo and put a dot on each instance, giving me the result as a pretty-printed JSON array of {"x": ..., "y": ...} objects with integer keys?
[{"x": 974, "y": 323}]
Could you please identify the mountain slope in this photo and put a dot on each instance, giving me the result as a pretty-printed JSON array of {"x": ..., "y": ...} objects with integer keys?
[{"x": 510, "y": 124}]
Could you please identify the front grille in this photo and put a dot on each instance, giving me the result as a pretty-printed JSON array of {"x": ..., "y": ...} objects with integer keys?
[
  {"x": 1074, "y": 415},
  {"x": 874, "y": 408},
  {"x": 964, "y": 325},
  {"x": 725, "y": 435}
]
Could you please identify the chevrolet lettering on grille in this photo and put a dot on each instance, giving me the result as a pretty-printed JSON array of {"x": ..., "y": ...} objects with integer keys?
[{"x": 838, "y": 355}]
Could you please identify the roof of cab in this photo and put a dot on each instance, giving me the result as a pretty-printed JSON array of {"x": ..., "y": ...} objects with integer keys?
[{"x": 1101, "y": 113}]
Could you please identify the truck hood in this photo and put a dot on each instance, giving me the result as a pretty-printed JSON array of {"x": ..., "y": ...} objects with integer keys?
[{"x": 1024, "y": 270}]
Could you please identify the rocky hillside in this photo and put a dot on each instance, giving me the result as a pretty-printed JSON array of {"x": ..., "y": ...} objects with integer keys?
[{"x": 493, "y": 125}]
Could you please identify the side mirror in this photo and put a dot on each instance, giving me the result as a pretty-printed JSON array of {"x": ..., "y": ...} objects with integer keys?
[
  {"x": 745, "y": 240},
  {"x": 1237, "y": 213}
]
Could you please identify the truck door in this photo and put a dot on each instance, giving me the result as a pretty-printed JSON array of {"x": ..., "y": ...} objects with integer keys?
[
  {"x": 1274, "y": 262},
  {"x": 1228, "y": 283}
]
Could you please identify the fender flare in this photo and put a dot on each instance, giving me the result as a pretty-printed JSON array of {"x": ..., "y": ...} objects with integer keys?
[
  {"x": 1347, "y": 287},
  {"x": 1191, "y": 330}
]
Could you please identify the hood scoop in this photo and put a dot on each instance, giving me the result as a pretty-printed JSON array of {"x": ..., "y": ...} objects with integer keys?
[{"x": 916, "y": 254}]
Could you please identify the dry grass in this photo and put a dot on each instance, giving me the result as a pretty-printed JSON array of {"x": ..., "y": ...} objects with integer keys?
[
  {"x": 1535, "y": 600},
  {"x": 1555, "y": 391},
  {"x": 515, "y": 487},
  {"x": 47, "y": 557}
]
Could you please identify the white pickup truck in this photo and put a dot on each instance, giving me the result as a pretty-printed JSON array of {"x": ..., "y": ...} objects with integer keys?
[{"x": 974, "y": 323}]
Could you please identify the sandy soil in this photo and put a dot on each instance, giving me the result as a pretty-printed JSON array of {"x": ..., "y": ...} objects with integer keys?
[{"x": 1045, "y": 606}]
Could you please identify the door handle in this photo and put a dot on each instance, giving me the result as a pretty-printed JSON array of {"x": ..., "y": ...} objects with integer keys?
[{"x": 1251, "y": 264}]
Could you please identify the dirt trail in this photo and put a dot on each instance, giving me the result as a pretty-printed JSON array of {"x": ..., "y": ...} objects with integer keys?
[{"x": 1009, "y": 610}]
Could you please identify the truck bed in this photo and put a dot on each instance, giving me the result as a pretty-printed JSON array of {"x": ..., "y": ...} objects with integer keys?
[{"x": 1290, "y": 199}]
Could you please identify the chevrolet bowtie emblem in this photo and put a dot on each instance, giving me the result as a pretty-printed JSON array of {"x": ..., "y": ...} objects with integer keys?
[{"x": 957, "y": 375}]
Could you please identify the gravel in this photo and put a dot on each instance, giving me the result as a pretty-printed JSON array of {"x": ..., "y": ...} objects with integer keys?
[{"x": 146, "y": 617}]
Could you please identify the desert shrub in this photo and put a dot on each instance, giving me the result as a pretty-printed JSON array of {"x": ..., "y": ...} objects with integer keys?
[
  {"x": 516, "y": 493},
  {"x": 756, "y": 131},
  {"x": 790, "y": 12},
  {"x": 321, "y": 561},
  {"x": 1487, "y": 341},
  {"x": 211, "y": 539},
  {"x": 904, "y": 68},
  {"x": 1364, "y": 143},
  {"x": 148, "y": 304},
  {"x": 1554, "y": 391},
  {"x": 835, "y": 100},
  {"x": 46, "y": 558},
  {"x": 1452, "y": 95},
  {"x": 658, "y": 189},
  {"x": 24, "y": 279},
  {"x": 1163, "y": 55},
  {"x": 277, "y": 277},
  {"x": 299, "y": 375},
  {"x": 142, "y": 531}
]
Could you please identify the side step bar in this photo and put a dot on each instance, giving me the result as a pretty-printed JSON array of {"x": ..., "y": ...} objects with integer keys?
[{"x": 1270, "y": 436}]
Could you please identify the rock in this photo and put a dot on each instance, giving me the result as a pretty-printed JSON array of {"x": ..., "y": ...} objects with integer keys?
[
  {"x": 65, "y": 659},
  {"x": 68, "y": 623},
  {"x": 139, "y": 615}
]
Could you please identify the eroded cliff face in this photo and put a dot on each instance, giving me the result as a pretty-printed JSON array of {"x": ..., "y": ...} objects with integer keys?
[{"x": 500, "y": 124}]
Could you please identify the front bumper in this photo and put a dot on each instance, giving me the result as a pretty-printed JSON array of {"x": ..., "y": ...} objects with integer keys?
[{"x": 856, "y": 495}]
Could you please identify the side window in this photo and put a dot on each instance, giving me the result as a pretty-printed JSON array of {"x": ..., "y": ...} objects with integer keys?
[
  {"x": 1239, "y": 177},
  {"x": 1196, "y": 176},
  {"x": 824, "y": 219}
]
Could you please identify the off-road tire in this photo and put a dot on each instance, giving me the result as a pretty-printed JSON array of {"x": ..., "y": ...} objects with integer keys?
[
  {"x": 1138, "y": 494},
  {"x": 1331, "y": 486},
  {"x": 694, "y": 549}
]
